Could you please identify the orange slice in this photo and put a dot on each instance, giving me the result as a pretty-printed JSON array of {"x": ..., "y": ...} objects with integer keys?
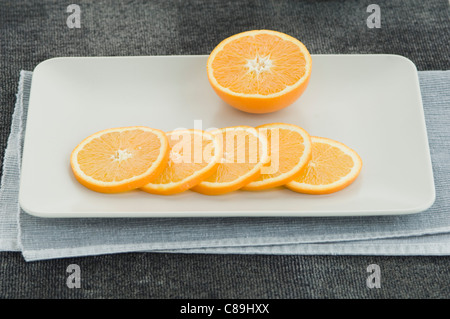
[
  {"x": 244, "y": 153},
  {"x": 259, "y": 71},
  {"x": 194, "y": 155},
  {"x": 120, "y": 159},
  {"x": 333, "y": 166},
  {"x": 289, "y": 151}
]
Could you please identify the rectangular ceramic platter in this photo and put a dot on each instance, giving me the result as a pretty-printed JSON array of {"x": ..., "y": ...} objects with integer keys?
[{"x": 372, "y": 103}]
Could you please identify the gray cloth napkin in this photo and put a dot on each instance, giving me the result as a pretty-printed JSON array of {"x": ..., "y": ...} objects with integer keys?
[{"x": 426, "y": 233}]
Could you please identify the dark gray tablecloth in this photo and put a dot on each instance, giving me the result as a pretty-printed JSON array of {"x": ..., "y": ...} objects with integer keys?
[{"x": 33, "y": 32}]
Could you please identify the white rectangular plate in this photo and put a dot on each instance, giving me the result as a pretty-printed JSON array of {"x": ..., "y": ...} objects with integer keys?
[{"x": 371, "y": 103}]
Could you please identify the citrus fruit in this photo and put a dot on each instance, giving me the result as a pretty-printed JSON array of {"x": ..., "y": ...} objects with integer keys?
[
  {"x": 120, "y": 159},
  {"x": 244, "y": 152},
  {"x": 333, "y": 166},
  {"x": 289, "y": 151},
  {"x": 259, "y": 71},
  {"x": 194, "y": 154}
]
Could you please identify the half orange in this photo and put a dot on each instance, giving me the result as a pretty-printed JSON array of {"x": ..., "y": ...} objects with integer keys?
[{"x": 259, "y": 71}]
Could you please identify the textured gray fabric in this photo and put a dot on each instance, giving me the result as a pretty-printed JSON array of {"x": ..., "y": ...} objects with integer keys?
[
  {"x": 9, "y": 208},
  {"x": 40, "y": 238},
  {"x": 31, "y": 32}
]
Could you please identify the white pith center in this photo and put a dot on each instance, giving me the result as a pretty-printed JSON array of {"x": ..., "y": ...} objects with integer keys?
[
  {"x": 121, "y": 155},
  {"x": 259, "y": 64}
]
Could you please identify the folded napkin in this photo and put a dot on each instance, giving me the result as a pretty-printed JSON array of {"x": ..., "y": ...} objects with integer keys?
[{"x": 426, "y": 233}]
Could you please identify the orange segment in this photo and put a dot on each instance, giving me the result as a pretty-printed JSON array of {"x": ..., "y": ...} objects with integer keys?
[
  {"x": 120, "y": 159},
  {"x": 289, "y": 151},
  {"x": 194, "y": 155},
  {"x": 259, "y": 71},
  {"x": 244, "y": 153},
  {"x": 333, "y": 166}
]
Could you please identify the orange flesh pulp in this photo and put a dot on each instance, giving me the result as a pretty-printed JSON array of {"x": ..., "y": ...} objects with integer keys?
[
  {"x": 117, "y": 156},
  {"x": 289, "y": 143},
  {"x": 262, "y": 64},
  {"x": 184, "y": 162},
  {"x": 241, "y": 152},
  {"x": 328, "y": 164}
]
